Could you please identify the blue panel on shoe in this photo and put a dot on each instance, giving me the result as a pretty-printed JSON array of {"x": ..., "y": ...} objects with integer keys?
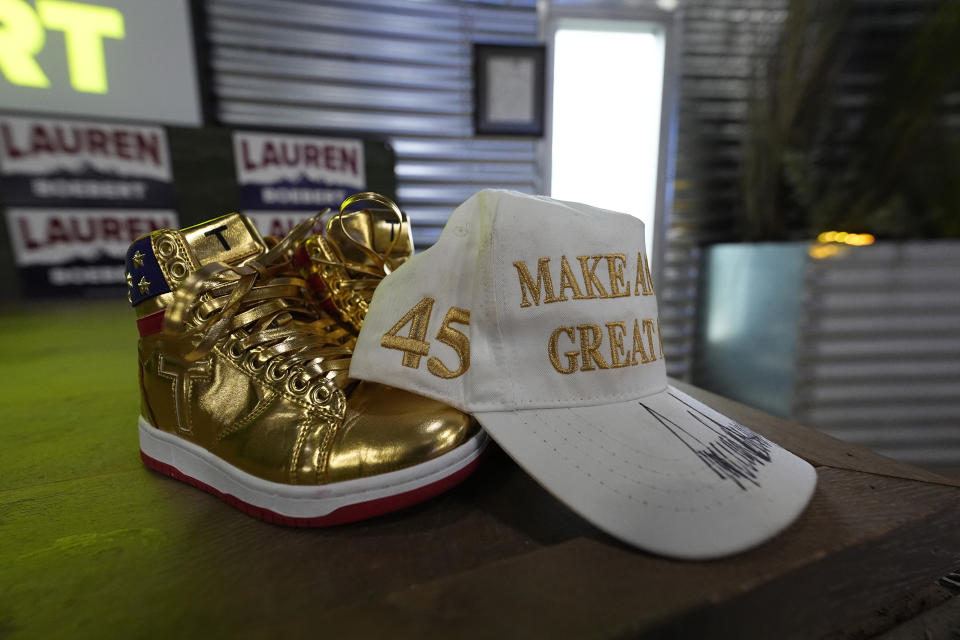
[{"x": 144, "y": 278}]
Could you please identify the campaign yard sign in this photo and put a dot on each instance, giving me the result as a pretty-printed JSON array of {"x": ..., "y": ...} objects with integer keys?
[
  {"x": 77, "y": 194},
  {"x": 67, "y": 248},
  {"x": 63, "y": 163},
  {"x": 283, "y": 178}
]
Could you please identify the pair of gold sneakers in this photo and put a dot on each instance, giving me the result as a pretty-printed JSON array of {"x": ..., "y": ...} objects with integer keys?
[{"x": 244, "y": 352}]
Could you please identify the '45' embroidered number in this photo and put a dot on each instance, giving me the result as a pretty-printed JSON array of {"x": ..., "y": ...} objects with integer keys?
[{"x": 414, "y": 346}]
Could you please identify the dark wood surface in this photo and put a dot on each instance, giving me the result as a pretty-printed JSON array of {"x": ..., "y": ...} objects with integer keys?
[{"x": 94, "y": 545}]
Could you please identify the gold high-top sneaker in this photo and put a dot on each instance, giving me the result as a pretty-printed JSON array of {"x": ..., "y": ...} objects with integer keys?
[
  {"x": 357, "y": 250},
  {"x": 245, "y": 391}
]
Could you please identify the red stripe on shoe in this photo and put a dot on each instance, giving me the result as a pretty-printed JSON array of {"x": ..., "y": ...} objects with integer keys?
[
  {"x": 301, "y": 258},
  {"x": 151, "y": 324},
  {"x": 328, "y": 306},
  {"x": 317, "y": 284},
  {"x": 343, "y": 515}
]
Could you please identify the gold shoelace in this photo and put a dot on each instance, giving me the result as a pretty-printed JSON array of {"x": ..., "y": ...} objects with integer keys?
[
  {"x": 363, "y": 278},
  {"x": 261, "y": 310}
]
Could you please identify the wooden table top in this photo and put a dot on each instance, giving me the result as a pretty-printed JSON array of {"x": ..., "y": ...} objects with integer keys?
[{"x": 93, "y": 545}]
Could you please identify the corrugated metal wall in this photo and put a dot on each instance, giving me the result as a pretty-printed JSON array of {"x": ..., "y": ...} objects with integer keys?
[
  {"x": 721, "y": 42},
  {"x": 886, "y": 375},
  {"x": 400, "y": 69},
  {"x": 879, "y": 349}
]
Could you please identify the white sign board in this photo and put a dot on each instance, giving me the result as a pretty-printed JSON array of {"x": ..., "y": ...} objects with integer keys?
[
  {"x": 283, "y": 177},
  {"x": 78, "y": 193},
  {"x": 125, "y": 59}
]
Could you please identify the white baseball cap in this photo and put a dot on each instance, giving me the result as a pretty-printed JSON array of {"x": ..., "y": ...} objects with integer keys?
[{"x": 539, "y": 318}]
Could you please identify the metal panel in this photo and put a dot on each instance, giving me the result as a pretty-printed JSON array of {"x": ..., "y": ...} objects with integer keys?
[
  {"x": 466, "y": 149},
  {"x": 724, "y": 43},
  {"x": 880, "y": 349},
  {"x": 343, "y": 120},
  {"x": 677, "y": 300},
  {"x": 229, "y": 63},
  {"x": 324, "y": 95},
  {"x": 294, "y": 38},
  {"x": 430, "y": 23},
  {"x": 396, "y": 68}
]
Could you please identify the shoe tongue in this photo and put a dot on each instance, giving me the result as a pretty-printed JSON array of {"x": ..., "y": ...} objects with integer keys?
[
  {"x": 231, "y": 238},
  {"x": 375, "y": 229}
]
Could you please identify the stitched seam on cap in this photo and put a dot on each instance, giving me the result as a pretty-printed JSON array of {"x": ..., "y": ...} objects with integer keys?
[
  {"x": 501, "y": 363},
  {"x": 585, "y": 401}
]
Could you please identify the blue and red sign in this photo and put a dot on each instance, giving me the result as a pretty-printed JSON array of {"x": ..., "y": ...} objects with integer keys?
[
  {"x": 56, "y": 163},
  {"x": 77, "y": 194},
  {"x": 283, "y": 177}
]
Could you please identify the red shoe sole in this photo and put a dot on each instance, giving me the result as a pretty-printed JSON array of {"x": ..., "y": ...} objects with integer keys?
[{"x": 343, "y": 515}]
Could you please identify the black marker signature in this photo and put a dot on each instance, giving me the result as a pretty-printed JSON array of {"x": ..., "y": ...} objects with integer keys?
[{"x": 737, "y": 454}]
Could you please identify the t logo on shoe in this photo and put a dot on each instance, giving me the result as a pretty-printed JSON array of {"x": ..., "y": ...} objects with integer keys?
[
  {"x": 182, "y": 386},
  {"x": 219, "y": 233}
]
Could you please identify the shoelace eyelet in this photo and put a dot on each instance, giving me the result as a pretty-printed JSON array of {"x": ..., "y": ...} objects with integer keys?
[
  {"x": 297, "y": 384},
  {"x": 320, "y": 393},
  {"x": 277, "y": 371},
  {"x": 178, "y": 269},
  {"x": 166, "y": 248},
  {"x": 235, "y": 350},
  {"x": 255, "y": 363}
]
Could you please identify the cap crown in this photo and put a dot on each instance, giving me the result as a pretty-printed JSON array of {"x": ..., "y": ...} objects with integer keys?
[{"x": 523, "y": 302}]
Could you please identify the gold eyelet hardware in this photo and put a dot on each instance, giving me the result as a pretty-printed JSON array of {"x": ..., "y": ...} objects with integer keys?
[
  {"x": 277, "y": 371},
  {"x": 166, "y": 248},
  {"x": 178, "y": 269},
  {"x": 297, "y": 384},
  {"x": 255, "y": 363},
  {"x": 235, "y": 350},
  {"x": 320, "y": 393}
]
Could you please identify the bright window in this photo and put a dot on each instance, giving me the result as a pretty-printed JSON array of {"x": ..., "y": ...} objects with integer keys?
[{"x": 607, "y": 91}]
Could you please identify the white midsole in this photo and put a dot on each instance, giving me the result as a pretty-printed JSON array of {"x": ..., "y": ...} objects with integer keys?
[{"x": 300, "y": 501}]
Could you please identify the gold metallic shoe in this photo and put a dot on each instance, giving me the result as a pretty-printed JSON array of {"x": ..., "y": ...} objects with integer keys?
[
  {"x": 356, "y": 251},
  {"x": 245, "y": 388}
]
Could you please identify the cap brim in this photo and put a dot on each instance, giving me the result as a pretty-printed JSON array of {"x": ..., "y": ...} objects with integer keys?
[{"x": 665, "y": 473}]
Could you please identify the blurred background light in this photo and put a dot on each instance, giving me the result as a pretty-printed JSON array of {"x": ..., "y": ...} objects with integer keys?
[
  {"x": 844, "y": 237},
  {"x": 607, "y": 92}
]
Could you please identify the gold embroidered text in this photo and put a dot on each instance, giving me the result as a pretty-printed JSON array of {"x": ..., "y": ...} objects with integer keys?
[
  {"x": 589, "y": 282},
  {"x": 589, "y": 348}
]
